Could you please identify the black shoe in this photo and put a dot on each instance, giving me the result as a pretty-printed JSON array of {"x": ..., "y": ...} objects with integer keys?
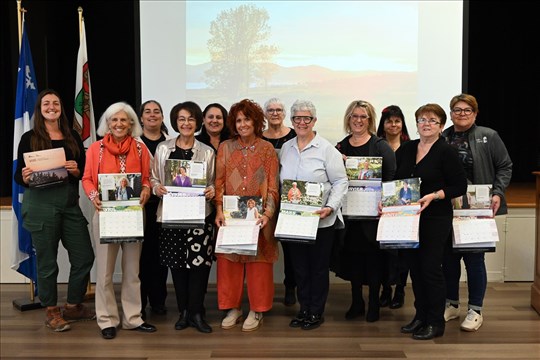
[
  {"x": 412, "y": 327},
  {"x": 428, "y": 332},
  {"x": 182, "y": 322},
  {"x": 397, "y": 301},
  {"x": 372, "y": 313},
  {"x": 198, "y": 323},
  {"x": 357, "y": 309},
  {"x": 290, "y": 296},
  {"x": 108, "y": 333},
  {"x": 298, "y": 321},
  {"x": 159, "y": 310},
  {"x": 313, "y": 321},
  {"x": 386, "y": 297},
  {"x": 145, "y": 327}
]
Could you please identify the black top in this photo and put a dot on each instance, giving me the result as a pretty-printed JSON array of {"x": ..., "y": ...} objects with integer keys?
[
  {"x": 24, "y": 147},
  {"x": 440, "y": 169},
  {"x": 278, "y": 143},
  {"x": 152, "y": 144}
]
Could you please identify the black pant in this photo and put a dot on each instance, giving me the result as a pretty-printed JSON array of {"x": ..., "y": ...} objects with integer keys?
[
  {"x": 311, "y": 269},
  {"x": 426, "y": 269},
  {"x": 190, "y": 288},
  {"x": 288, "y": 268},
  {"x": 153, "y": 276}
]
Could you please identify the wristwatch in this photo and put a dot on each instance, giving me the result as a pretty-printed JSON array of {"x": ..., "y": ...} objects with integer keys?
[{"x": 436, "y": 194}]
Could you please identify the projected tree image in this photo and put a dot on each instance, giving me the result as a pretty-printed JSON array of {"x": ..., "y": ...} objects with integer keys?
[{"x": 239, "y": 54}]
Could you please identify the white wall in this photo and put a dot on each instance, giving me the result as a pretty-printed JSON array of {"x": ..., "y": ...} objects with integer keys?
[{"x": 513, "y": 260}]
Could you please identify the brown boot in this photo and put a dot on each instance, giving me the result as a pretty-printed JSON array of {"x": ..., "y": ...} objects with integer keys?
[
  {"x": 55, "y": 321},
  {"x": 78, "y": 312}
]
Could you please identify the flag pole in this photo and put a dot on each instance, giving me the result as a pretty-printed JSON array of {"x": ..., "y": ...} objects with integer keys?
[
  {"x": 19, "y": 22},
  {"x": 22, "y": 304},
  {"x": 80, "y": 10},
  {"x": 90, "y": 293}
]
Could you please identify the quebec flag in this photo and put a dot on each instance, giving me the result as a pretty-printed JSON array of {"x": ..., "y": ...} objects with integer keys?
[{"x": 23, "y": 258}]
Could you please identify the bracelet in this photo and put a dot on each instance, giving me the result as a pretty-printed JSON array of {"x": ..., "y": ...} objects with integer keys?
[{"x": 436, "y": 196}]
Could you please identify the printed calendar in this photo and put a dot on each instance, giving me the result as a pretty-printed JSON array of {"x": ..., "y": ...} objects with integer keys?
[{"x": 121, "y": 217}]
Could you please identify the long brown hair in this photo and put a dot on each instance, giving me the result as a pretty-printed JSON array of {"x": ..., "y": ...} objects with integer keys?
[{"x": 40, "y": 139}]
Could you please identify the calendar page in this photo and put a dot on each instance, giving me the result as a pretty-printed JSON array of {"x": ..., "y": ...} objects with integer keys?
[
  {"x": 183, "y": 209},
  {"x": 297, "y": 220},
  {"x": 231, "y": 235},
  {"x": 468, "y": 230},
  {"x": 121, "y": 222},
  {"x": 240, "y": 249},
  {"x": 297, "y": 226},
  {"x": 121, "y": 217},
  {"x": 398, "y": 224},
  {"x": 362, "y": 199},
  {"x": 398, "y": 227}
]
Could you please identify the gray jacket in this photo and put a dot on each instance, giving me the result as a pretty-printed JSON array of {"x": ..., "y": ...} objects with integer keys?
[
  {"x": 201, "y": 152},
  {"x": 491, "y": 162}
]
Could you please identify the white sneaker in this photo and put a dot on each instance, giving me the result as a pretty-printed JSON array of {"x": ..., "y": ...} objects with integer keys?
[
  {"x": 451, "y": 312},
  {"x": 253, "y": 321},
  {"x": 473, "y": 321},
  {"x": 234, "y": 316}
]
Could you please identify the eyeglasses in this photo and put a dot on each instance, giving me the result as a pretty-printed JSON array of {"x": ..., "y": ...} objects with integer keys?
[
  {"x": 186, "y": 120},
  {"x": 428, "y": 121},
  {"x": 276, "y": 111},
  {"x": 359, "y": 117},
  {"x": 459, "y": 111},
  {"x": 306, "y": 119}
]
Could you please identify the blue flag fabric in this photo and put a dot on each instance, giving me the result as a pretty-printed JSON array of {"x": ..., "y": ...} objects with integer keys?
[{"x": 23, "y": 255}]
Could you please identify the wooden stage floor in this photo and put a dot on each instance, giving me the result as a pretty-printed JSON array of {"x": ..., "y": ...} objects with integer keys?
[{"x": 511, "y": 330}]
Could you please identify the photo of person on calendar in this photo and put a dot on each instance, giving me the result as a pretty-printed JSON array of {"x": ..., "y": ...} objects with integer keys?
[
  {"x": 181, "y": 178},
  {"x": 123, "y": 190},
  {"x": 294, "y": 195},
  {"x": 365, "y": 172},
  {"x": 251, "y": 212}
]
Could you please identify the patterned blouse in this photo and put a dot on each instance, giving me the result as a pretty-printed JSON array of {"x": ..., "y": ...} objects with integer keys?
[{"x": 250, "y": 171}]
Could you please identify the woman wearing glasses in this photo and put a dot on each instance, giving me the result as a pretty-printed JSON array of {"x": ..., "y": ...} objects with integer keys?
[
  {"x": 486, "y": 161},
  {"x": 278, "y": 134},
  {"x": 443, "y": 178},
  {"x": 189, "y": 253},
  {"x": 392, "y": 128},
  {"x": 360, "y": 259},
  {"x": 247, "y": 166},
  {"x": 309, "y": 157}
]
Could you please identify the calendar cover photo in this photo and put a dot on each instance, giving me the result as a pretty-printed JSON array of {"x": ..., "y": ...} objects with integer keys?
[
  {"x": 185, "y": 173},
  {"x": 48, "y": 167},
  {"x": 364, "y": 191},
  {"x": 297, "y": 221},
  {"x": 121, "y": 217},
  {"x": 364, "y": 167}
]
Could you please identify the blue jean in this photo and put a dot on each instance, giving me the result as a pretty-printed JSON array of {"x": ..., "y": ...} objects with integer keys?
[{"x": 476, "y": 277}]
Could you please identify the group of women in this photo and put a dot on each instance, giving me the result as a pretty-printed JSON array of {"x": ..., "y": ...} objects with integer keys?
[{"x": 244, "y": 157}]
